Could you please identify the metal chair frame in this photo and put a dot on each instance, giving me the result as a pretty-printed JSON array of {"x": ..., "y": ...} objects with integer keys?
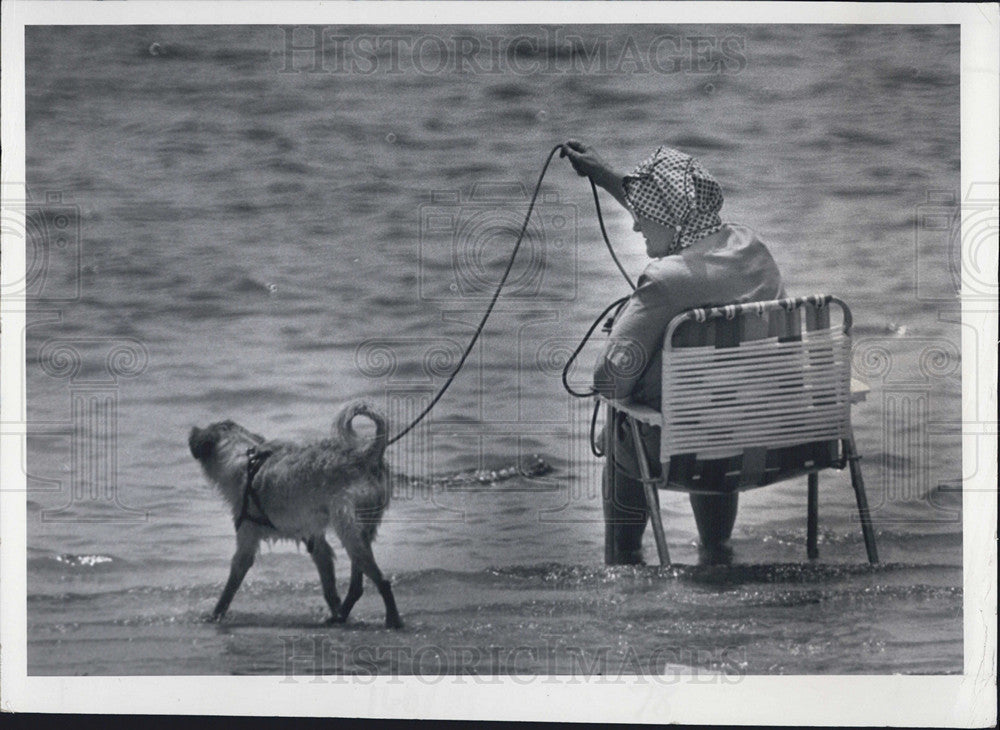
[{"x": 746, "y": 382}]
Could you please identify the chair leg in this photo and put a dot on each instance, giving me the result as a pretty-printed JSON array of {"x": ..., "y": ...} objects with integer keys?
[
  {"x": 812, "y": 519},
  {"x": 652, "y": 501},
  {"x": 858, "y": 482},
  {"x": 609, "y": 487}
]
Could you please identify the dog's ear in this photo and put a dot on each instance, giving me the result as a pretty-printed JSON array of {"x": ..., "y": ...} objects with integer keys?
[
  {"x": 201, "y": 443},
  {"x": 229, "y": 426}
]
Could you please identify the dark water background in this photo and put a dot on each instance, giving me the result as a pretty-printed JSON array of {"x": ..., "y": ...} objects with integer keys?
[{"x": 264, "y": 246}]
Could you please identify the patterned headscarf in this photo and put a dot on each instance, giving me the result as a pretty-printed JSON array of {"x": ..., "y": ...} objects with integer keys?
[{"x": 673, "y": 188}]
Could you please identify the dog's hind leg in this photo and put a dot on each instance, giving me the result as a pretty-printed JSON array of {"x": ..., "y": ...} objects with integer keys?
[
  {"x": 247, "y": 541},
  {"x": 354, "y": 592},
  {"x": 363, "y": 561},
  {"x": 322, "y": 555}
]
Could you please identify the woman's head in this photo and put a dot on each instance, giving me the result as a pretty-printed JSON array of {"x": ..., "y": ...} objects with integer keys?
[
  {"x": 660, "y": 238},
  {"x": 674, "y": 200}
]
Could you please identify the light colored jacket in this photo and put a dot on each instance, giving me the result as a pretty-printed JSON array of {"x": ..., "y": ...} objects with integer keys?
[{"x": 732, "y": 265}]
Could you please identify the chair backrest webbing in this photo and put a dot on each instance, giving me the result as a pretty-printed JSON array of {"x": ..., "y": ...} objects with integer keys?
[{"x": 735, "y": 394}]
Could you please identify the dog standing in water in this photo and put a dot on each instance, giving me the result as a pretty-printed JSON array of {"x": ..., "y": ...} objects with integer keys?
[{"x": 280, "y": 490}]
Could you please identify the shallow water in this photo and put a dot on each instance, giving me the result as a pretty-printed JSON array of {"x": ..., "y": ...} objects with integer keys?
[{"x": 264, "y": 246}]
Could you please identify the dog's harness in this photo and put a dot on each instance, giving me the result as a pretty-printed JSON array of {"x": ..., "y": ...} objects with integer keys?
[{"x": 255, "y": 460}]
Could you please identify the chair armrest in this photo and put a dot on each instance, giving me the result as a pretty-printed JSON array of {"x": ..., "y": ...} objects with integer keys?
[
  {"x": 641, "y": 413},
  {"x": 859, "y": 391}
]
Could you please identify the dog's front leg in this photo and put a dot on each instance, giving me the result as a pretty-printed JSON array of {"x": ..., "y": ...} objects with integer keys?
[
  {"x": 322, "y": 555},
  {"x": 247, "y": 542}
]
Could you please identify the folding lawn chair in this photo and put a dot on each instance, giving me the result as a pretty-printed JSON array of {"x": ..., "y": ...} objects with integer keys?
[{"x": 753, "y": 394}]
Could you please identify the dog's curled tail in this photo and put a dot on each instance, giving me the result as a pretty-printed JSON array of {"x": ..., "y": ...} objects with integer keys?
[{"x": 374, "y": 450}]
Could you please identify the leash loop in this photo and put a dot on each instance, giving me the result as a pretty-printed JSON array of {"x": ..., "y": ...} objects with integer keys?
[{"x": 617, "y": 305}]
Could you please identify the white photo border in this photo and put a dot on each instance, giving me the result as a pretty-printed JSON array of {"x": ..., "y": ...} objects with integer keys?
[{"x": 968, "y": 700}]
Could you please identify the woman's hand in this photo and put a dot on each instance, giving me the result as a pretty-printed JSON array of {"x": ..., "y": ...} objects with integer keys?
[
  {"x": 585, "y": 161},
  {"x": 588, "y": 163}
]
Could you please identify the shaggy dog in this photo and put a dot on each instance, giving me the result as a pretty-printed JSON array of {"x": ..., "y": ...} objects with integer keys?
[{"x": 280, "y": 490}]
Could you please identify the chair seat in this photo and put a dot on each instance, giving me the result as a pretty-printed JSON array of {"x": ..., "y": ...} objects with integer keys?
[
  {"x": 859, "y": 391},
  {"x": 749, "y": 470},
  {"x": 641, "y": 413},
  {"x": 729, "y": 473}
]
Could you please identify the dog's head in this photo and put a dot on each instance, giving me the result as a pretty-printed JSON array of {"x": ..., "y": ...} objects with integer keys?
[{"x": 221, "y": 449}]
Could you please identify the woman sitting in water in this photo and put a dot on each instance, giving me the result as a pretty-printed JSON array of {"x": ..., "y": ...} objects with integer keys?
[{"x": 697, "y": 260}]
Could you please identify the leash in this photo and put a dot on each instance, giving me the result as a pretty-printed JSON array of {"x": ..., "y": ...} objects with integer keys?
[
  {"x": 617, "y": 306},
  {"x": 604, "y": 234},
  {"x": 496, "y": 296},
  {"x": 255, "y": 460}
]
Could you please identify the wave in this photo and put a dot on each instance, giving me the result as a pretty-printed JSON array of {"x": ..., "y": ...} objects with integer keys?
[
  {"x": 887, "y": 328},
  {"x": 508, "y": 91},
  {"x": 183, "y": 146},
  {"x": 289, "y": 167},
  {"x": 616, "y": 97},
  {"x": 566, "y": 576},
  {"x": 928, "y": 533},
  {"x": 238, "y": 58},
  {"x": 252, "y": 285},
  {"x": 702, "y": 141},
  {"x": 889, "y": 579},
  {"x": 873, "y": 191},
  {"x": 897, "y": 77},
  {"x": 239, "y": 397},
  {"x": 529, "y": 466},
  {"x": 45, "y": 560},
  {"x": 858, "y": 137}
]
